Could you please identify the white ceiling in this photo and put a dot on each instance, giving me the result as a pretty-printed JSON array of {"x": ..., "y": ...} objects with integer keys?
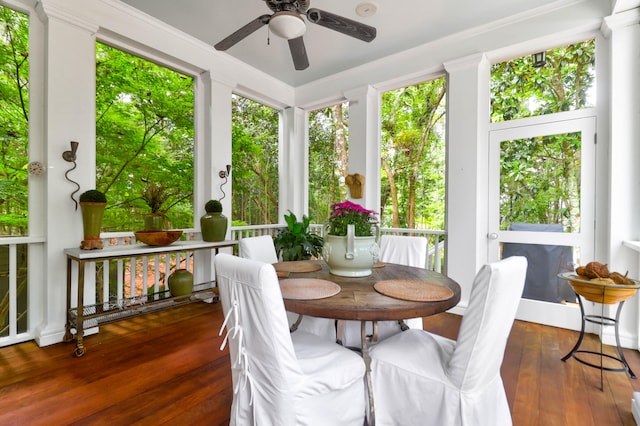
[{"x": 401, "y": 25}]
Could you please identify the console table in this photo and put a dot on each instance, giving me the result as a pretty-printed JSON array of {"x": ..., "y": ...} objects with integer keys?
[{"x": 88, "y": 316}]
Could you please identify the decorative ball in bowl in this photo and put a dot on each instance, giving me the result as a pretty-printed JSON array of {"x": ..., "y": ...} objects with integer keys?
[{"x": 158, "y": 238}]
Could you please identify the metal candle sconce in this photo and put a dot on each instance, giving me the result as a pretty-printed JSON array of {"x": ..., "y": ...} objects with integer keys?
[
  {"x": 70, "y": 156},
  {"x": 224, "y": 174}
]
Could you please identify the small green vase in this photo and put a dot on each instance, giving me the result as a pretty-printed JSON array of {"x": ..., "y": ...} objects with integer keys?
[
  {"x": 213, "y": 226},
  {"x": 92, "y": 219},
  {"x": 181, "y": 283},
  {"x": 153, "y": 222}
]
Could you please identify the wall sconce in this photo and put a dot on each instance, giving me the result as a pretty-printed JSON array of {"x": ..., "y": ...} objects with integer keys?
[
  {"x": 70, "y": 157},
  {"x": 224, "y": 174},
  {"x": 539, "y": 59}
]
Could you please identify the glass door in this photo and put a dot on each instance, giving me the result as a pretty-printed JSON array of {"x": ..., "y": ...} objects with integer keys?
[{"x": 541, "y": 206}]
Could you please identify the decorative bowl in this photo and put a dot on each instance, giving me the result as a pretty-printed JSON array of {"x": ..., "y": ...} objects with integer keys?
[
  {"x": 600, "y": 292},
  {"x": 158, "y": 238}
]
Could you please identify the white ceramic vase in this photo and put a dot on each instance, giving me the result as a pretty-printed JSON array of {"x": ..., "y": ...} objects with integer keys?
[{"x": 351, "y": 256}]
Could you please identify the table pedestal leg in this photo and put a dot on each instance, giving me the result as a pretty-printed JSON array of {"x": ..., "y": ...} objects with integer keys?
[{"x": 366, "y": 339}]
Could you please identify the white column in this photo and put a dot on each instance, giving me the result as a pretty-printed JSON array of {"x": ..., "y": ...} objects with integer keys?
[
  {"x": 364, "y": 142},
  {"x": 293, "y": 164},
  {"x": 69, "y": 116},
  {"x": 218, "y": 144},
  {"x": 467, "y": 168},
  {"x": 623, "y": 33}
]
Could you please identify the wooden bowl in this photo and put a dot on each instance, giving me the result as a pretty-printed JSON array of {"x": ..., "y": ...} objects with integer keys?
[
  {"x": 600, "y": 292},
  {"x": 158, "y": 238}
]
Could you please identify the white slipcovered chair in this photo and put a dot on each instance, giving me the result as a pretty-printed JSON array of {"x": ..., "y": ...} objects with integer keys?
[
  {"x": 422, "y": 379},
  {"x": 403, "y": 250},
  {"x": 258, "y": 248},
  {"x": 281, "y": 378},
  {"x": 262, "y": 249}
]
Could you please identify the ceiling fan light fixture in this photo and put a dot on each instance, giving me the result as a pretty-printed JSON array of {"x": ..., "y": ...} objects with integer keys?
[{"x": 288, "y": 25}]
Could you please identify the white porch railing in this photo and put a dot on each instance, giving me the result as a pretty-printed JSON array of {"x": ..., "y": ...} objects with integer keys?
[
  {"x": 15, "y": 276},
  {"x": 435, "y": 239},
  {"x": 142, "y": 277}
]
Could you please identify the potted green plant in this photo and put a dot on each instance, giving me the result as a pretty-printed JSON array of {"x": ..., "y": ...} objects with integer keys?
[
  {"x": 92, "y": 204},
  {"x": 213, "y": 224},
  {"x": 296, "y": 242},
  {"x": 351, "y": 240},
  {"x": 155, "y": 196}
]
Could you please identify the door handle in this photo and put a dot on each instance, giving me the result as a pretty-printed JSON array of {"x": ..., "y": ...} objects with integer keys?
[{"x": 493, "y": 236}]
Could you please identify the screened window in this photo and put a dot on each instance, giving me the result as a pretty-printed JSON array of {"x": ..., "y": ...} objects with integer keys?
[
  {"x": 144, "y": 141},
  {"x": 413, "y": 156},
  {"x": 328, "y": 159},
  {"x": 565, "y": 81},
  {"x": 255, "y": 162},
  {"x": 14, "y": 122}
]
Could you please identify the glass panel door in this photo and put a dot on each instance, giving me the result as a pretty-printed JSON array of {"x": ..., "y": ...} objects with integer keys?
[{"x": 541, "y": 206}]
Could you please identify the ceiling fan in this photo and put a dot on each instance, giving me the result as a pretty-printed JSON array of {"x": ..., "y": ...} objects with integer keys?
[{"x": 287, "y": 22}]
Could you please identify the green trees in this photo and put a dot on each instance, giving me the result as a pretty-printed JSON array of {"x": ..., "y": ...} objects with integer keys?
[
  {"x": 328, "y": 163},
  {"x": 144, "y": 134},
  {"x": 255, "y": 162},
  {"x": 413, "y": 156},
  {"x": 14, "y": 122},
  {"x": 540, "y": 176}
]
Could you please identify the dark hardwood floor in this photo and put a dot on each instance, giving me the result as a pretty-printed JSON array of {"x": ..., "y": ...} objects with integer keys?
[{"x": 166, "y": 368}]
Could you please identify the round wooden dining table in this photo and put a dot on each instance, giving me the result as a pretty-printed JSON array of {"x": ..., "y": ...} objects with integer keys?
[{"x": 357, "y": 299}]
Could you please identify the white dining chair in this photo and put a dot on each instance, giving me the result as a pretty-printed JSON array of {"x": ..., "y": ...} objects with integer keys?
[
  {"x": 281, "y": 378},
  {"x": 403, "y": 250},
  {"x": 262, "y": 249},
  {"x": 420, "y": 378},
  {"x": 259, "y": 248}
]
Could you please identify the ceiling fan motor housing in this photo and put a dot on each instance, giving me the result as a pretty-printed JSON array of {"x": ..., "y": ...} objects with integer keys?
[{"x": 299, "y": 6}]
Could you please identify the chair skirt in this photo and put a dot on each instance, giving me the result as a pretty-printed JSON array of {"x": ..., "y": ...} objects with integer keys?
[{"x": 411, "y": 386}]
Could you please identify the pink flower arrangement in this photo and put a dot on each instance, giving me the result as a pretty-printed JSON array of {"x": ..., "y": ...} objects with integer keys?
[{"x": 348, "y": 213}]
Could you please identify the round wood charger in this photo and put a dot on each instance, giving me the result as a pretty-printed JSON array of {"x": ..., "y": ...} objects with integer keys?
[
  {"x": 413, "y": 290},
  {"x": 308, "y": 288},
  {"x": 298, "y": 266}
]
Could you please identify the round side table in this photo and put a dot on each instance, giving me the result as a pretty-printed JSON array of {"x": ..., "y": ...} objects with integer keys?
[{"x": 604, "y": 294}]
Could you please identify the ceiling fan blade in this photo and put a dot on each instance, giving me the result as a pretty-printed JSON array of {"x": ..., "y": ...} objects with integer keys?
[
  {"x": 341, "y": 24},
  {"x": 299, "y": 53},
  {"x": 243, "y": 32}
]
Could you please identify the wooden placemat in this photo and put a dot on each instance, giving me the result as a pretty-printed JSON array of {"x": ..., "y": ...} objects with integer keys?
[
  {"x": 413, "y": 290},
  {"x": 308, "y": 288},
  {"x": 298, "y": 266}
]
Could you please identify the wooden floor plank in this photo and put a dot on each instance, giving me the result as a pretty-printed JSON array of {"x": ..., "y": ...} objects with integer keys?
[{"x": 166, "y": 369}]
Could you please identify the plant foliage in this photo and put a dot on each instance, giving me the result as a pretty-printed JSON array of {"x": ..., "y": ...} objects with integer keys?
[
  {"x": 349, "y": 213},
  {"x": 213, "y": 206},
  {"x": 296, "y": 242}
]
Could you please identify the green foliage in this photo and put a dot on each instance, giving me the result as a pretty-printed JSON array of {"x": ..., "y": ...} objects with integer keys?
[
  {"x": 213, "y": 206},
  {"x": 155, "y": 196},
  {"x": 540, "y": 176},
  {"x": 14, "y": 122},
  {"x": 413, "y": 156},
  {"x": 296, "y": 242},
  {"x": 93, "y": 196},
  {"x": 144, "y": 133},
  {"x": 255, "y": 162},
  {"x": 328, "y": 146},
  {"x": 564, "y": 83}
]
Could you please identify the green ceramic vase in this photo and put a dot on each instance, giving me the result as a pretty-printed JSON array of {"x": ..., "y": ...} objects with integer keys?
[
  {"x": 213, "y": 226},
  {"x": 153, "y": 222},
  {"x": 181, "y": 283}
]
